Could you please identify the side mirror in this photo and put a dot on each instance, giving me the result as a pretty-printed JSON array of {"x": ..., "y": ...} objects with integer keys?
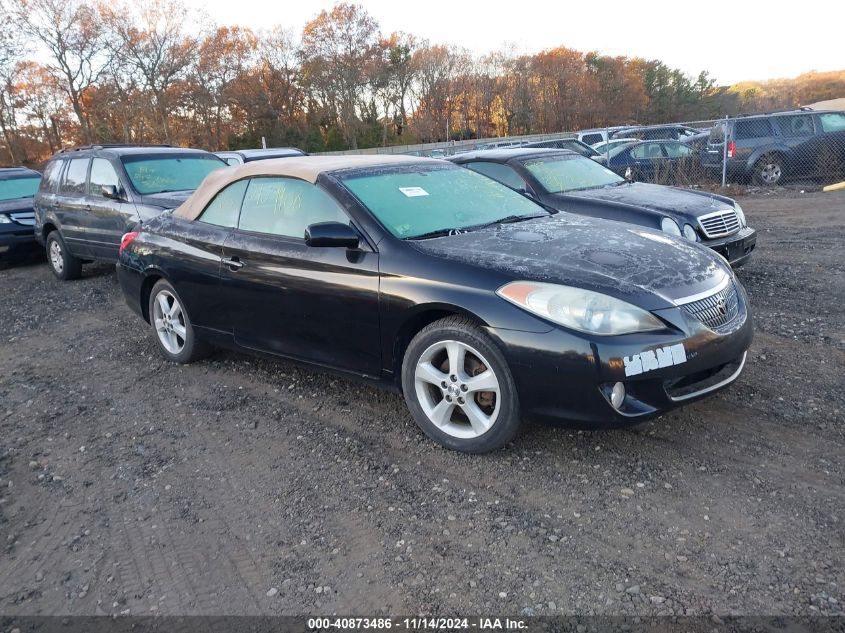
[
  {"x": 111, "y": 192},
  {"x": 629, "y": 174},
  {"x": 336, "y": 234}
]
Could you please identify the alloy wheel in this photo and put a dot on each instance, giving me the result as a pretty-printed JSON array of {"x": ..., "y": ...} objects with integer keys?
[
  {"x": 169, "y": 322},
  {"x": 457, "y": 389},
  {"x": 57, "y": 261},
  {"x": 771, "y": 173}
]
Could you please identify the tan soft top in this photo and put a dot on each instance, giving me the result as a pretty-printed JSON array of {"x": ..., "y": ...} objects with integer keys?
[{"x": 302, "y": 167}]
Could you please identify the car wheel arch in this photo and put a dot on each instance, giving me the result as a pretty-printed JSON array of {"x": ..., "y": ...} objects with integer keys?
[
  {"x": 48, "y": 228},
  {"x": 772, "y": 150},
  {"x": 151, "y": 277},
  {"x": 415, "y": 322}
]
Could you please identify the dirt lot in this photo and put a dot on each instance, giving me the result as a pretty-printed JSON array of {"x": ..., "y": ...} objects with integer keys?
[{"x": 241, "y": 486}]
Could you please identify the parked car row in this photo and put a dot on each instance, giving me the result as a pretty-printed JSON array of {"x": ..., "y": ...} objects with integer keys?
[
  {"x": 767, "y": 149},
  {"x": 506, "y": 284}
]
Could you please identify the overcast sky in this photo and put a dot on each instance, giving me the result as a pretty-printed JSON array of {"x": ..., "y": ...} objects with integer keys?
[{"x": 733, "y": 40}]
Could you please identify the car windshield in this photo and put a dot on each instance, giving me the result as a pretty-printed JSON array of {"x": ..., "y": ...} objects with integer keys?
[
  {"x": 581, "y": 148},
  {"x": 603, "y": 148},
  {"x": 416, "y": 200},
  {"x": 19, "y": 187},
  {"x": 173, "y": 172},
  {"x": 568, "y": 173}
]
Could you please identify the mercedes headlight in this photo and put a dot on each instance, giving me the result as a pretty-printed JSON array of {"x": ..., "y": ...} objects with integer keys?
[
  {"x": 740, "y": 214},
  {"x": 689, "y": 233},
  {"x": 668, "y": 225},
  {"x": 5, "y": 219},
  {"x": 581, "y": 310}
]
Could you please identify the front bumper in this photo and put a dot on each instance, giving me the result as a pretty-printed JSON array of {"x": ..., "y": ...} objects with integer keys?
[
  {"x": 567, "y": 378},
  {"x": 16, "y": 238},
  {"x": 735, "y": 248}
]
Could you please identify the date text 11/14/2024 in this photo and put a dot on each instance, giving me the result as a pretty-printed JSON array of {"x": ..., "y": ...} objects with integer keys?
[{"x": 417, "y": 624}]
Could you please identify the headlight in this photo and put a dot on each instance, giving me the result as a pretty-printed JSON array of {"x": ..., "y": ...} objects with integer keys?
[
  {"x": 579, "y": 309},
  {"x": 740, "y": 214},
  {"x": 668, "y": 225},
  {"x": 689, "y": 233},
  {"x": 5, "y": 219}
]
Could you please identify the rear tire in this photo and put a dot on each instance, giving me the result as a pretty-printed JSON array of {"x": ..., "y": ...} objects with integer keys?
[
  {"x": 769, "y": 171},
  {"x": 458, "y": 387},
  {"x": 172, "y": 328},
  {"x": 64, "y": 265}
]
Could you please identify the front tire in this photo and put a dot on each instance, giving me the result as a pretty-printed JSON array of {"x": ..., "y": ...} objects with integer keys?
[
  {"x": 172, "y": 327},
  {"x": 64, "y": 265},
  {"x": 459, "y": 388}
]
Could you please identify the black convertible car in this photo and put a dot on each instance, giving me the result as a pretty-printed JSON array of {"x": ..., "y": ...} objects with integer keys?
[
  {"x": 478, "y": 304},
  {"x": 568, "y": 182}
]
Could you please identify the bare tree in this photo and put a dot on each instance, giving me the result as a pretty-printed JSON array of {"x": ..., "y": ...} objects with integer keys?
[
  {"x": 44, "y": 104},
  {"x": 436, "y": 69},
  {"x": 225, "y": 54},
  {"x": 339, "y": 48},
  {"x": 397, "y": 74},
  {"x": 72, "y": 33},
  {"x": 149, "y": 38},
  {"x": 10, "y": 55}
]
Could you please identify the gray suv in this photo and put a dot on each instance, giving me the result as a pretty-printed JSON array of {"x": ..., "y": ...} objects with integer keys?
[
  {"x": 91, "y": 196},
  {"x": 770, "y": 148}
]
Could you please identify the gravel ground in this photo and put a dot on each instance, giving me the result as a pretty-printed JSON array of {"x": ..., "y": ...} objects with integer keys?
[{"x": 243, "y": 486}]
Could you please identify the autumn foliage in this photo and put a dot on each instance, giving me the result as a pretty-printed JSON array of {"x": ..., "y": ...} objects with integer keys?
[{"x": 75, "y": 72}]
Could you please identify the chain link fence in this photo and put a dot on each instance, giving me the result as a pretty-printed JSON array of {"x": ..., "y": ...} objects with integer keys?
[{"x": 803, "y": 147}]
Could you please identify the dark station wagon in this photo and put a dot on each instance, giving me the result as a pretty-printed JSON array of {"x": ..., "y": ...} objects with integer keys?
[{"x": 90, "y": 196}]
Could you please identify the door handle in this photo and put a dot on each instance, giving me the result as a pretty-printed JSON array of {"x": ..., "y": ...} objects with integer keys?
[{"x": 233, "y": 263}]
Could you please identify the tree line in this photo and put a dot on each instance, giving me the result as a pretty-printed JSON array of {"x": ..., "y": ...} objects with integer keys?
[{"x": 77, "y": 72}]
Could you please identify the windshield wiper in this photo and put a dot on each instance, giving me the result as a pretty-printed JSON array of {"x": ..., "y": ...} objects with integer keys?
[
  {"x": 506, "y": 220},
  {"x": 475, "y": 227},
  {"x": 436, "y": 233}
]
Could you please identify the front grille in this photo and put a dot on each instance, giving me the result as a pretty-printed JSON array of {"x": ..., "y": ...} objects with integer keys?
[
  {"x": 705, "y": 381},
  {"x": 719, "y": 224},
  {"x": 26, "y": 218},
  {"x": 720, "y": 311}
]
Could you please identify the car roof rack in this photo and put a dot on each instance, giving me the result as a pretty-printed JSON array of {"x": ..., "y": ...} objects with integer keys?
[{"x": 110, "y": 146}]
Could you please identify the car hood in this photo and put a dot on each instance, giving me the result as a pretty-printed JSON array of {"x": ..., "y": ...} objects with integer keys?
[
  {"x": 166, "y": 200},
  {"x": 18, "y": 205},
  {"x": 632, "y": 263},
  {"x": 656, "y": 198}
]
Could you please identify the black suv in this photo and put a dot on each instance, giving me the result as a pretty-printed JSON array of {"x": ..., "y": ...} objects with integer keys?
[
  {"x": 769, "y": 148},
  {"x": 17, "y": 187},
  {"x": 90, "y": 196}
]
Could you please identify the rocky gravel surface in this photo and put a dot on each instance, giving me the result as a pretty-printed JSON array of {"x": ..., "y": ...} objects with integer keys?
[{"x": 243, "y": 486}]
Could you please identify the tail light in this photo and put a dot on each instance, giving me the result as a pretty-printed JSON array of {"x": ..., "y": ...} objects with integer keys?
[
  {"x": 126, "y": 240},
  {"x": 731, "y": 149}
]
